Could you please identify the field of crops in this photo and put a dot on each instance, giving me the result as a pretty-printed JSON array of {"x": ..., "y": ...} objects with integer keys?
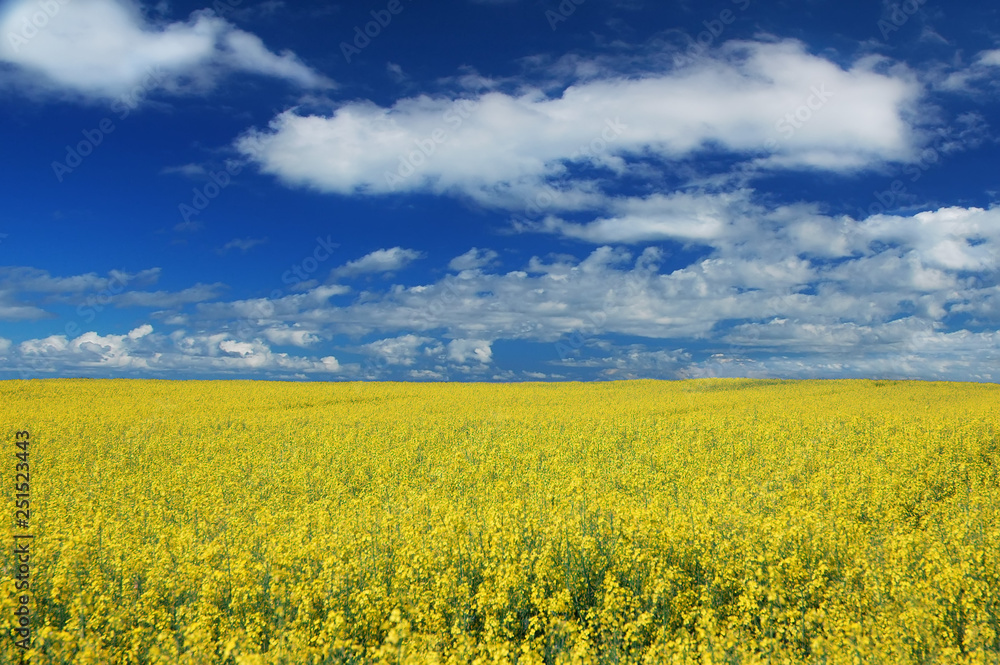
[{"x": 724, "y": 521}]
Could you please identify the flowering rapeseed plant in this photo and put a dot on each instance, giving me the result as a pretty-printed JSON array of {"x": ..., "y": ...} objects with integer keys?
[{"x": 713, "y": 521}]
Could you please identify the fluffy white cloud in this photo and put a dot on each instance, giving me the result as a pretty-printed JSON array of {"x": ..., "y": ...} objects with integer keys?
[
  {"x": 140, "y": 332},
  {"x": 270, "y": 312},
  {"x": 474, "y": 259},
  {"x": 403, "y": 350},
  {"x": 144, "y": 350},
  {"x": 634, "y": 361},
  {"x": 464, "y": 350},
  {"x": 990, "y": 58},
  {"x": 782, "y": 289},
  {"x": 772, "y": 102},
  {"x": 286, "y": 336},
  {"x": 242, "y": 349},
  {"x": 903, "y": 349},
  {"x": 770, "y": 280},
  {"x": 109, "y": 49},
  {"x": 379, "y": 261},
  {"x": 681, "y": 216},
  {"x": 11, "y": 310},
  {"x": 953, "y": 238},
  {"x": 972, "y": 78}
]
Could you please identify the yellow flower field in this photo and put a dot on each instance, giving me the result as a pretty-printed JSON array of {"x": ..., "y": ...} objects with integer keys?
[{"x": 711, "y": 521}]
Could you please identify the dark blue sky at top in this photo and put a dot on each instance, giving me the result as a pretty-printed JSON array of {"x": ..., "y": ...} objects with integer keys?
[{"x": 119, "y": 209}]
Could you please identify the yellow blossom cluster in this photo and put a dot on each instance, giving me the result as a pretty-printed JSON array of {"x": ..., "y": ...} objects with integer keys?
[{"x": 708, "y": 521}]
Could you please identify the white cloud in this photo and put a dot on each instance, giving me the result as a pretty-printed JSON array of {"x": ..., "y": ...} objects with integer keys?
[
  {"x": 379, "y": 261},
  {"x": 33, "y": 280},
  {"x": 395, "y": 72},
  {"x": 474, "y": 259},
  {"x": 949, "y": 238},
  {"x": 409, "y": 350},
  {"x": 285, "y": 336},
  {"x": 187, "y": 170},
  {"x": 426, "y": 374},
  {"x": 498, "y": 147},
  {"x": 87, "y": 291},
  {"x": 167, "y": 299},
  {"x": 243, "y": 244},
  {"x": 463, "y": 350},
  {"x": 143, "y": 350},
  {"x": 990, "y": 58},
  {"x": 48, "y": 345},
  {"x": 140, "y": 332},
  {"x": 108, "y": 49},
  {"x": 242, "y": 349},
  {"x": 11, "y": 310},
  {"x": 903, "y": 349},
  {"x": 267, "y": 311},
  {"x": 681, "y": 216},
  {"x": 967, "y": 78},
  {"x": 403, "y": 350},
  {"x": 782, "y": 292},
  {"x": 769, "y": 280},
  {"x": 635, "y": 361}
]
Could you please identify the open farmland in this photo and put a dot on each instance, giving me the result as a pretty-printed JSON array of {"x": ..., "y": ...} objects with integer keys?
[{"x": 726, "y": 521}]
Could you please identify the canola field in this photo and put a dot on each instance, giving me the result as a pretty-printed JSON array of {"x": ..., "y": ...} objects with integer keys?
[{"x": 710, "y": 521}]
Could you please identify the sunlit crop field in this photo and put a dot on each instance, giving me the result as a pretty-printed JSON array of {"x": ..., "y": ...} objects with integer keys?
[{"x": 724, "y": 521}]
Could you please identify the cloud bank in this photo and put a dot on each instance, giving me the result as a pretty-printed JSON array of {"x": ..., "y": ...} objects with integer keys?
[{"x": 105, "y": 49}]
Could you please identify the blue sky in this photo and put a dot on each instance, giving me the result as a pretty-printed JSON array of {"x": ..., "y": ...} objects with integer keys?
[{"x": 499, "y": 190}]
